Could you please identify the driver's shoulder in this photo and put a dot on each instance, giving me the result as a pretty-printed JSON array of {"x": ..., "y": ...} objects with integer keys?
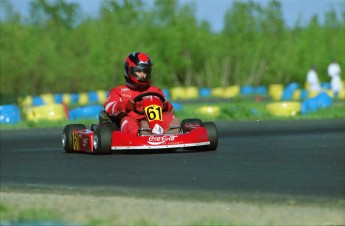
[{"x": 120, "y": 88}]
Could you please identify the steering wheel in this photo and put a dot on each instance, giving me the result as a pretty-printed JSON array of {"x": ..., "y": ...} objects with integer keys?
[{"x": 141, "y": 96}]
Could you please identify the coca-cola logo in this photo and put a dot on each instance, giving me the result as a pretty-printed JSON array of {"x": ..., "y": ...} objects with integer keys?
[{"x": 157, "y": 140}]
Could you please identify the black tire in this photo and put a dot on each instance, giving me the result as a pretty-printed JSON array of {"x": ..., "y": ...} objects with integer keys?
[
  {"x": 189, "y": 124},
  {"x": 102, "y": 140},
  {"x": 212, "y": 135},
  {"x": 67, "y": 139}
]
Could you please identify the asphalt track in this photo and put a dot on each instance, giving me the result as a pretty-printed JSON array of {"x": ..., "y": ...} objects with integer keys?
[{"x": 299, "y": 158}]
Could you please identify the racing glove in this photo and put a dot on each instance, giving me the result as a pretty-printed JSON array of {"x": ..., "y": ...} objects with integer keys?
[
  {"x": 130, "y": 106},
  {"x": 165, "y": 106}
]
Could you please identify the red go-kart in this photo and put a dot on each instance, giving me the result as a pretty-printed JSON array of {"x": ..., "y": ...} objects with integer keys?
[{"x": 193, "y": 134}]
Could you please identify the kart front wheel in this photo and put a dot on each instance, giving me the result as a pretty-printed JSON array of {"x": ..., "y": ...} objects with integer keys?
[
  {"x": 212, "y": 135},
  {"x": 67, "y": 139},
  {"x": 102, "y": 140}
]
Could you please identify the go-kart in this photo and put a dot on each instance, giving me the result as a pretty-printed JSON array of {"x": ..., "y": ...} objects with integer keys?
[{"x": 193, "y": 134}]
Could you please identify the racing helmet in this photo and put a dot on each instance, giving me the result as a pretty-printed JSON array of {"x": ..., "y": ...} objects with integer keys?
[{"x": 138, "y": 62}]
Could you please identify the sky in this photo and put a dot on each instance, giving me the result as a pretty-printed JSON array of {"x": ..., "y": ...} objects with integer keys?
[{"x": 213, "y": 11}]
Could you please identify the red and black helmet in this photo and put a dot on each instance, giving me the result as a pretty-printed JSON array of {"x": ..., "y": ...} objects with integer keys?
[{"x": 137, "y": 62}]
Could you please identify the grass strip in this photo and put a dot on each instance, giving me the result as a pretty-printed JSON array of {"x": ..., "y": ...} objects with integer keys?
[{"x": 91, "y": 209}]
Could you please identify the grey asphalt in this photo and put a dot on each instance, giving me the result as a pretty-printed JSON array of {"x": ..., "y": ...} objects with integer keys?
[{"x": 298, "y": 158}]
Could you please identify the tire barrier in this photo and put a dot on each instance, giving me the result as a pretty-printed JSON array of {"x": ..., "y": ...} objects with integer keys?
[
  {"x": 300, "y": 94},
  {"x": 70, "y": 98},
  {"x": 322, "y": 100},
  {"x": 235, "y": 91},
  {"x": 227, "y": 92},
  {"x": 297, "y": 94},
  {"x": 217, "y": 92},
  {"x": 85, "y": 112},
  {"x": 48, "y": 98},
  {"x": 83, "y": 99},
  {"x": 275, "y": 91},
  {"x": 289, "y": 90},
  {"x": 204, "y": 92},
  {"x": 177, "y": 93},
  {"x": 325, "y": 85},
  {"x": 29, "y": 105},
  {"x": 48, "y": 112},
  {"x": 93, "y": 97},
  {"x": 312, "y": 94},
  {"x": 284, "y": 108},
  {"x": 86, "y": 98},
  {"x": 184, "y": 93},
  {"x": 231, "y": 91},
  {"x": 9, "y": 114},
  {"x": 37, "y": 101},
  {"x": 41, "y": 100},
  {"x": 247, "y": 90},
  {"x": 58, "y": 98},
  {"x": 261, "y": 90},
  {"x": 102, "y": 96}
]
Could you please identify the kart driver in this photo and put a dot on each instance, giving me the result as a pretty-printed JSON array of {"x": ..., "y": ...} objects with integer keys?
[{"x": 119, "y": 106}]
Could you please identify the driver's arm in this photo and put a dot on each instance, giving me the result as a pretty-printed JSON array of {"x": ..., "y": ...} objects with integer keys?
[
  {"x": 114, "y": 105},
  {"x": 167, "y": 106}
]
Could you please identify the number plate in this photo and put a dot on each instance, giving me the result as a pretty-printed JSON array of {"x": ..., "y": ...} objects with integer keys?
[{"x": 153, "y": 112}]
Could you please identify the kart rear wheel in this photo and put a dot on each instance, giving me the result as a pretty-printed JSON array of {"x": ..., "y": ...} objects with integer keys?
[
  {"x": 67, "y": 139},
  {"x": 212, "y": 135},
  {"x": 102, "y": 140}
]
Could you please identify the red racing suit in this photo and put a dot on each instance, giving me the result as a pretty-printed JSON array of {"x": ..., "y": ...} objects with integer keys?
[{"x": 115, "y": 105}]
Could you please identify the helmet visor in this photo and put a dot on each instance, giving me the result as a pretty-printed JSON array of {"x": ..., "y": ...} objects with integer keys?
[{"x": 145, "y": 70}]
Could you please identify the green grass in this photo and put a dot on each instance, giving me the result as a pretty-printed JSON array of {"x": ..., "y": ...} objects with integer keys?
[
  {"x": 54, "y": 216},
  {"x": 12, "y": 214},
  {"x": 250, "y": 110},
  {"x": 73, "y": 208},
  {"x": 236, "y": 110}
]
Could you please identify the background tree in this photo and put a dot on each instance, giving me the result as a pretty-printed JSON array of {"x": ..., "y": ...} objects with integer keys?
[{"x": 57, "y": 50}]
